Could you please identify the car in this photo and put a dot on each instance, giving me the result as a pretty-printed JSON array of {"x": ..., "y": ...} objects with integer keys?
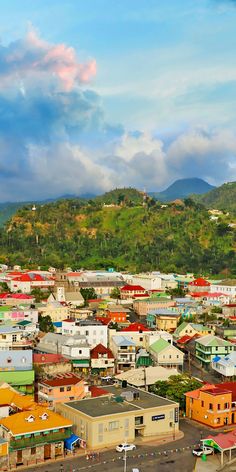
[
  {"x": 125, "y": 447},
  {"x": 199, "y": 451}
]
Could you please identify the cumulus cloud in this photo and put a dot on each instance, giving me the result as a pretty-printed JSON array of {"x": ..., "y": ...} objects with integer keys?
[{"x": 54, "y": 138}]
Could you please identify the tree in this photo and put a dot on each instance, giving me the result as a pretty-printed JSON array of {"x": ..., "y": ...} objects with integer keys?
[
  {"x": 46, "y": 324},
  {"x": 176, "y": 387},
  {"x": 115, "y": 293},
  {"x": 216, "y": 309},
  {"x": 39, "y": 294},
  {"x": 88, "y": 294}
]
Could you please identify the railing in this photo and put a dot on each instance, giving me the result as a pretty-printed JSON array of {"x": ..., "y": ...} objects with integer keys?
[{"x": 31, "y": 442}]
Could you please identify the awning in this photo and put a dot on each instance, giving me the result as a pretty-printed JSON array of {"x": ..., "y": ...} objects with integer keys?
[
  {"x": 216, "y": 359},
  {"x": 71, "y": 441}
]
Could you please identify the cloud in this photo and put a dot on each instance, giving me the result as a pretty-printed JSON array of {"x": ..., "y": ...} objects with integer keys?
[{"x": 54, "y": 138}]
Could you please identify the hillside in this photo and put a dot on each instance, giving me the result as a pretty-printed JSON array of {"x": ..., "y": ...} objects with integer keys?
[
  {"x": 128, "y": 196},
  {"x": 221, "y": 198},
  {"x": 181, "y": 189},
  {"x": 78, "y": 234}
]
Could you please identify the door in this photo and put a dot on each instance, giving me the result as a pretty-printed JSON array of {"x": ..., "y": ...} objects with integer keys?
[
  {"x": 19, "y": 459},
  {"x": 47, "y": 451}
]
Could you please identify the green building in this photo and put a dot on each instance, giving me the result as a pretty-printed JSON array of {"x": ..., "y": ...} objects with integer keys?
[{"x": 207, "y": 347}]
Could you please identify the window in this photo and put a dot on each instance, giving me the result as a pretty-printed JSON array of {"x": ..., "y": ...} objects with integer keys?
[
  {"x": 14, "y": 338},
  {"x": 202, "y": 404},
  {"x": 33, "y": 451},
  {"x": 216, "y": 348},
  {"x": 218, "y": 406},
  {"x": 113, "y": 425},
  {"x": 68, "y": 389},
  {"x": 9, "y": 360},
  {"x": 226, "y": 405},
  {"x": 210, "y": 406},
  {"x": 62, "y": 389},
  {"x": 138, "y": 420}
]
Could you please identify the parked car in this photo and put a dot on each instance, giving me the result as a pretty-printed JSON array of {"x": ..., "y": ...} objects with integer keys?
[
  {"x": 125, "y": 447},
  {"x": 199, "y": 451}
]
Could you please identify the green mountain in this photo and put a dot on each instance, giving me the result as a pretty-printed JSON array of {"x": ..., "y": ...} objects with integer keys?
[
  {"x": 128, "y": 196},
  {"x": 181, "y": 189},
  {"x": 221, "y": 198},
  {"x": 128, "y": 236}
]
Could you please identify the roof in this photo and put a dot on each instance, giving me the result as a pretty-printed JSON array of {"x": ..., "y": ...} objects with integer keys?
[
  {"x": 100, "y": 406},
  {"x": 104, "y": 320},
  {"x": 210, "y": 340},
  {"x": 184, "y": 339},
  {"x": 132, "y": 288},
  {"x": 200, "y": 282},
  {"x": 9, "y": 396},
  {"x": 48, "y": 358},
  {"x": 61, "y": 380},
  {"x": 17, "y": 424},
  {"x": 123, "y": 341},
  {"x": 224, "y": 440},
  {"x": 21, "y": 296},
  {"x": 117, "y": 308},
  {"x": 136, "y": 378},
  {"x": 97, "y": 391},
  {"x": 136, "y": 327},
  {"x": 198, "y": 294},
  {"x": 100, "y": 349},
  {"x": 160, "y": 345}
]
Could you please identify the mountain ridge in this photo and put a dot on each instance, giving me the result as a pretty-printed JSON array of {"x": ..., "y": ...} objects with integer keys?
[{"x": 182, "y": 188}]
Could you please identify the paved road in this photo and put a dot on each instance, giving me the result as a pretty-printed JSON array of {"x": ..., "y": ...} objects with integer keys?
[{"x": 147, "y": 457}]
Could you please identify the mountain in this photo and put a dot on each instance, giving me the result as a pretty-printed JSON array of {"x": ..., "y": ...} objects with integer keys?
[
  {"x": 220, "y": 198},
  {"x": 182, "y": 188},
  {"x": 129, "y": 196},
  {"x": 129, "y": 236}
]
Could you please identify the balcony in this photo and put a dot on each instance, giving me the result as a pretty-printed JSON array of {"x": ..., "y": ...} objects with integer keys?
[{"x": 37, "y": 440}]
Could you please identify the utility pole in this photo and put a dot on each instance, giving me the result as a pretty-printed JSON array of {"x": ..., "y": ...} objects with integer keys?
[
  {"x": 189, "y": 362},
  {"x": 125, "y": 461}
]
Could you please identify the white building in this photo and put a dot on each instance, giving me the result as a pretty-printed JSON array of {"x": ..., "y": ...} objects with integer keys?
[
  {"x": 124, "y": 351},
  {"x": 94, "y": 331},
  {"x": 227, "y": 287},
  {"x": 225, "y": 366}
]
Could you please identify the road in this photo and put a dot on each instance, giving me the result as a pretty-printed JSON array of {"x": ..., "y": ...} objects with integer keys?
[{"x": 147, "y": 457}]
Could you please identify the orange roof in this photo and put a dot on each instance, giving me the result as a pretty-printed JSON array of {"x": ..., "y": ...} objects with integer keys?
[
  {"x": 195, "y": 393},
  {"x": 10, "y": 397},
  {"x": 19, "y": 423}
]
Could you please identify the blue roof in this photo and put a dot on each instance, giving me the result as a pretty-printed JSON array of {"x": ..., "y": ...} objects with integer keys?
[
  {"x": 69, "y": 442},
  {"x": 216, "y": 359},
  {"x": 123, "y": 341},
  {"x": 58, "y": 324}
]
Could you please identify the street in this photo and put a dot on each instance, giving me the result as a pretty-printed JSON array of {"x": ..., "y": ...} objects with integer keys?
[{"x": 147, "y": 457}]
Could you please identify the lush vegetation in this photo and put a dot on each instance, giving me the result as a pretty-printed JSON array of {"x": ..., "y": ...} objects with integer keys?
[
  {"x": 175, "y": 387},
  {"x": 129, "y": 236},
  {"x": 221, "y": 198},
  {"x": 46, "y": 324}
]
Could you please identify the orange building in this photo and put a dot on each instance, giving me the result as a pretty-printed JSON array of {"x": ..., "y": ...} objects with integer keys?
[
  {"x": 117, "y": 313},
  {"x": 62, "y": 388},
  {"x": 213, "y": 405}
]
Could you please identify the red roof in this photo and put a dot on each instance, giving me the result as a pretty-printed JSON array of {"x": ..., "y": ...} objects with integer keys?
[
  {"x": 224, "y": 440},
  {"x": 95, "y": 300},
  {"x": 218, "y": 389},
  {"x": 62, "y": 379},
  {"x": 200, "y": 283},
  {"x": 48, "y": 359},
  {"x": 184, "y": 339},
  {"x": 104, "y": 320},
  {"x": 198, "y": 294},
  {"x": 132, "y": 288},
  {"x": 31, "y": 278},
  {"x": 230, "y": 305},
  {"x": 100, "y": 349},
  {"x": 21, "y": 296},
  {"x": 139, "y": 295},
  {"x": 136, "y": 327},
  {"x": 72, "y": 274},
  {"x": 97, "y": 391}
]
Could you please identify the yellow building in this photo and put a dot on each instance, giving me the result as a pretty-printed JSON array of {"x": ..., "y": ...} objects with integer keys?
[
  {"x": 190, "y": 329},
  {"x": 167, "y": 321},
  {"x": 122, "y": 415},
  {"x": 55, "y": 310}
]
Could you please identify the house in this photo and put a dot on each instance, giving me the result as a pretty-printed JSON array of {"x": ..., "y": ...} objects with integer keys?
[
  {"x": 35, "y": 435},
  {"x": 56, "y": 310},
  {"x": 125, "y": 414},
  {"x": 117, "y": 313},
  {"x": 147, "y": 281},
  {"x": 167, "y": 320},
  {"x": 207, "y": 347},
  {"x": 228, "y": 287},
  {"x": 199, "y": 285},
  {"x": 225, "y": 365},
  {"x": 227, "y": 332},
  {"x": 14, "y": 337},
  {"x": 16, "y": 368},
  {"x": 12, "y": 401},
  {"x": 143, "y": 358},
  {"x": 229, "y": 309},
  {"x": 25, "y": 282},
  {"x": 166, "y": 355},
  {"x": 144, "y": 378},
  {"x": 190, "y": 329},
  {"x": 18, "y": 313},
  {"x": 212, "y": 405},
  {"x": 94, "y": 331},
  {"x": 15, "y": 299},
  {"x": 152, "y": 336},
  {"x": 128, "y": 291},
  {"x": 74, "y": 348},
  {"x": 102, "y": 360},
  {"x": 62, "y": 295},
  {"x": 124, "y": 350},
  {"x": 137, "y": 332},
  {"x": 61, "y": 388},
  {"x": 143, "y": 307},
  {"x": 103, "y": 282},
  {"x": 51, "y": 364}
]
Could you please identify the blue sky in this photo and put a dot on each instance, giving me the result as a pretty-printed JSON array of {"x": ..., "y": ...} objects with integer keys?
[{"x": 102, "y": 93}]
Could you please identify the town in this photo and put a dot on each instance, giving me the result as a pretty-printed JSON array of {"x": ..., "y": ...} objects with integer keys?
[{"x": 99, "y": 363}]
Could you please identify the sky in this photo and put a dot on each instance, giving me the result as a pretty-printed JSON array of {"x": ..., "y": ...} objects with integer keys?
[{"x": 100, "y": 94}]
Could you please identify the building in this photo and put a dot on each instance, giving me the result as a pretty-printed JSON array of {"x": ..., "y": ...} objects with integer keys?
[
  {"x": 213, "y": 405},
  {"x": 50, "y": 364},
  {"x": 227, "y": 287},
  {"x": 103, "y": 282},
  {"x": 223, "y": 443},
  {"x": 18, "y": 313},
  {"x": 145, "y": 306},
  {"x": 94, "y": 331},
  {"x": 102, "y": 360},
  {"x": 136, "y": 332},
  {"x": 166, "y": 320},
  {"x": 122, "y": 415},
  {"x": 14, "y": 337},
  {"x": 129, "y": 291},
  {"x": 191, "y": 329},
  {"x": 153, "y": 336},
  {"x": 166, "y": 355},
  {"x": 16, "y": 368},
  {"x": 34, "y": 436},
  {"x": 15, "y": 299},
  {"x": 207, "y": 347},
  {"x": 227, "y": 332},
  {"x": 117, "y": 314},
  {"x": 61, "y": 388},
  {"x": 28, "y": 281},
  {"x": 229, "y": 309},
  {"x": 56, "y": 310},
  {"x": 199, "y": 285},
  {"x": 225, "y": 366},
  {"x": 144, "y": 378},
  {"x": 124, "y": 350},
  {"x": 12, "y": 401},
  {"x": 147, "y": 281}
]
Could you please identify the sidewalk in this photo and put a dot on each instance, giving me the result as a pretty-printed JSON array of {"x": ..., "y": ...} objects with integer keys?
[{"x": 212, "y": 464}]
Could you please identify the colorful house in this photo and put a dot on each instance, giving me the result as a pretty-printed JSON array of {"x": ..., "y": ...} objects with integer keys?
[
  {"x": 207, "y": 347},
  {"x": 61, "y": 388},
  {"x": 16, "y": 368},
  {"x": 190, "y": 329},
  {"x": 212, "y": 405},
  {"x": 34, "y": 436},
  {"x": 166, "y": 355},
  {"x": 225, "y": 366},
  {"x": 124, "y": 350},
  {"x": 117, "y": 313},
  {"x": 102, "y": 360},
  {"x": 129, "y": 291},
  {"x": 199, "y": 285}
]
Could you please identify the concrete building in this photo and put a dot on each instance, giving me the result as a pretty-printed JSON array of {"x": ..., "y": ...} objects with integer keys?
[
  {"x": 143, "y": 307},
  {"x": 123, "y": 415},
  {"x": 94, "y": 331},
  {"x": 102, "y": 360},
  {"x": 124, "y": 350},
  {"x": 61, "y": 388},
  {"x": 227, "y": 287}
]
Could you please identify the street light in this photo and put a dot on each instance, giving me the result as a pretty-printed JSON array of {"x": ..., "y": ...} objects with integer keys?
[{"x": 125, "y": 461}]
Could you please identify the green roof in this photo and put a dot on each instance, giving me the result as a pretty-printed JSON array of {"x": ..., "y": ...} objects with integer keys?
[
  {"x": 210, "y": 340},
  {"x": 180, "y": 327},
  {"x": 6, "y": 308},
  {"x": 24, "y": 323},
  {"x": 18, "y": 377},
  {"x": 159, "y": 345}
]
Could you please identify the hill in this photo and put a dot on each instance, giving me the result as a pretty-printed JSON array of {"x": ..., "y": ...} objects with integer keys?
[
  {"x": 119, "y": 196},
  {"x": 135, "y": 238},
  {"x": 221, "y": 198},
  {"x": 181, "y": 189}
]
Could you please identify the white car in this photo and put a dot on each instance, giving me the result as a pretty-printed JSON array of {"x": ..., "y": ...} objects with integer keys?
[
  {"x": 199, "y": 451},
  {"x": 125, "y": 447}
]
